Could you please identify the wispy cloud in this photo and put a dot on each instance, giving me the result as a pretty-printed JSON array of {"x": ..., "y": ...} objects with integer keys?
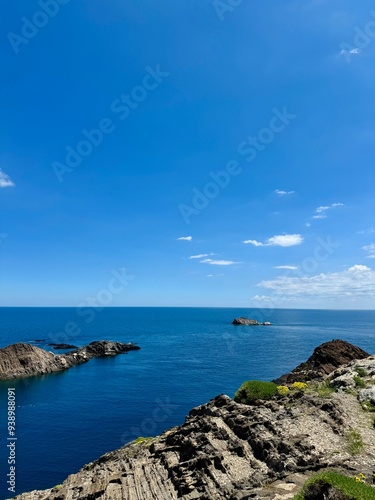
[
  {"x": 282, "y": 240},
  {"x": 292, "y": 268},
  {"x": 280, "y": 192},
  {"x": 321, "y": 212},
  {"x": 357, "y": 281},
  {"x": 213, "y": 275},
  {"x": 218, "y": 262},
  {"x": 353, "y": 52},
  {"x": 201, "y": 255},
  {"x": 370, "y": 249},
  {"x": 262, "y": 298},
  {"x": 185, "y": 238},
  {"x": 5, "y": 180},
  {"x": 371, "y": 230}
]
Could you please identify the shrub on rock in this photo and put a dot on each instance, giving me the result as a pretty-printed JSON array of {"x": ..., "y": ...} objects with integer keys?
[{"x": 255, "y": 389}]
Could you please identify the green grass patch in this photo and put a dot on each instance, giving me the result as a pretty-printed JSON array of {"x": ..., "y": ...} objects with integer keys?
[
  {"x": 253, "y": 390},
  {"x": 348, "y": 486},
  {"x": 361, "y": 371},
  {"x": 143, "y": 440},
  {"x": 359, "y": 382},
  {"x": 355, "y": 442}
]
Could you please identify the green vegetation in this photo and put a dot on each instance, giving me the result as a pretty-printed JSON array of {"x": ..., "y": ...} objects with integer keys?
[
  {"x": 323, "y": 389},
  {"x": 368, "y": 406},
  {"x": 143, "y": 440},
  {"x": 57, "y": 487},
  {"x": 354, "y": 489},
  {"x": 255, "y": 389},
  {"x": 359, "y": 382},
  {"x": 361, "y": 371},
  {"x": 355, "y": 442}
]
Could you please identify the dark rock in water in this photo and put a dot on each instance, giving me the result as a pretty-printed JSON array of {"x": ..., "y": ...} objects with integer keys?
[
  {"x": 249, "y": 322},
  {"x": 245, "y": 322},
  {"x": 25, "y": 360},
  {"x": 63, "y": 346},
  {"x": 324, "y": 360},
  {"x": 39, "y": 341}
]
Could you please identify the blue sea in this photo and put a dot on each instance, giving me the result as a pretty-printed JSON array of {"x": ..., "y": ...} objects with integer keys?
[{"x": 187, "y": 357}]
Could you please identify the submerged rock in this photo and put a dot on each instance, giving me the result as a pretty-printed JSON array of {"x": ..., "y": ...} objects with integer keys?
[
  {"x": 25, "y": 360},
  {"x": 63, "y": 346}
]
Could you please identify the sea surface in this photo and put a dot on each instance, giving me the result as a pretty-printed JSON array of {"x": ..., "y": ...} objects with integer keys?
[{"x": 187, "y": 357}]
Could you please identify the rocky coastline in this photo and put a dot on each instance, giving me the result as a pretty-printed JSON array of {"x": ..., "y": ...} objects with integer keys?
[
  {"x": 262, "y": 451},
  {"x": 25, "y": 360}
]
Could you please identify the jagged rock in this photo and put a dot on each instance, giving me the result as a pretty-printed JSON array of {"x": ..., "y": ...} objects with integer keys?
[
  {"x": 367, "y": 395},
  {"x": 324, "y": 360},
  {"x": 25, "y": 360},
  {"x": 321, "y": 490}
]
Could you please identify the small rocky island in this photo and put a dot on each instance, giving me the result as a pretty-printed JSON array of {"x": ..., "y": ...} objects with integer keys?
[
  {"x": 248, "y": 322},
  {"x": 270, "y": 448},
  {"x": 25, "y": 360}
]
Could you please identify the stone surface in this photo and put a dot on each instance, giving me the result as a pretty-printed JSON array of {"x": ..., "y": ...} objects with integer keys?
[
  {"x": 25, "y": 360},
  {"x": 324, "y": 360},
  {"x": 245, "y": 322}
]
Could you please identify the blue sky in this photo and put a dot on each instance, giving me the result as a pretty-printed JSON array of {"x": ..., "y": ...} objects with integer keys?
[{"x": 215, "y": 155}]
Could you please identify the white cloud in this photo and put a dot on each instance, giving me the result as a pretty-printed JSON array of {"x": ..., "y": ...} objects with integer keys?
[
  {"x": 357, "y": 281},
  {"x": 213, "y": 275},
  {"x": 354, "y": 51},
  {"x": 5, "y": 180},
  {"x": 262, "y": 298},
  {"x": 280, "y": 192},
  {"x": 287, "y": 267},
  {"x": 201, "y": 255},
  {"x": 185, "y": 238},
  {"x": 282, "y": 240},
  {"x": 370, "y": 249},
  {"x": 320, "y": 212},
  {"x": 218, "y": 262}
]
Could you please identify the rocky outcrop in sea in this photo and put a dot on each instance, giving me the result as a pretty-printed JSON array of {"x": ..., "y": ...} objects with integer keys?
[
  {"x": 25, "y": 360},
  {"x": 227, "y": 450}
]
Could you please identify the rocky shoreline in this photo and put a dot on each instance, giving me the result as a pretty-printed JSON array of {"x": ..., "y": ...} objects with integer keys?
[
  {"x": 264, "y": 450},
  {"x": 25, "y": 360}
]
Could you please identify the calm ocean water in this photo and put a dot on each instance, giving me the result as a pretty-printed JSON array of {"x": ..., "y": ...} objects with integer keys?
[{"x": 187, "y": 356}]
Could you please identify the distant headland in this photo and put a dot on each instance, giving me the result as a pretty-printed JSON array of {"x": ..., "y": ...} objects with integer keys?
[{"x": 25, "y": 360}]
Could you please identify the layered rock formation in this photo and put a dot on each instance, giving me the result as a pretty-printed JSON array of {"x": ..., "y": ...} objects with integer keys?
[
  {"x": 25, "y": 360},
  {"x": 226, "y": 450}
]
